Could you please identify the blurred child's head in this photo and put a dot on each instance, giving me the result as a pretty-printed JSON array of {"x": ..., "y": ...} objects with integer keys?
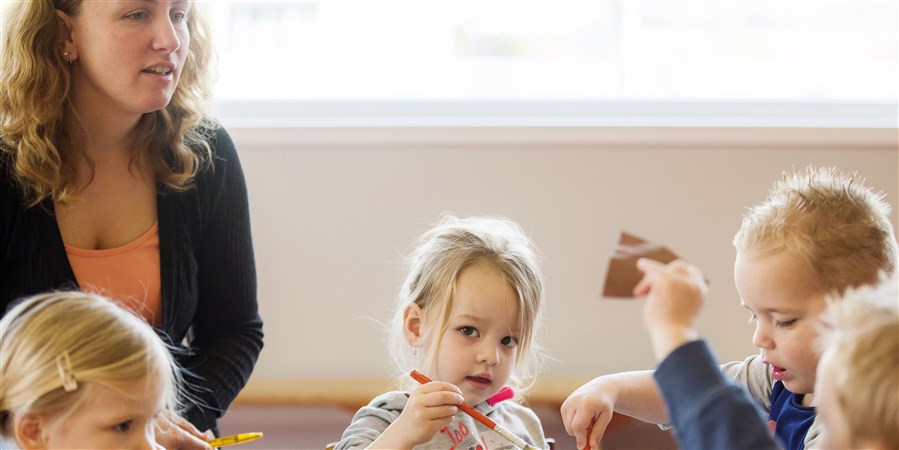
[
  {"x": 819, "y": 232},
  {"x": 79, "y": 371},
  {"x": 469, "y": 309},
  {"x": 858, "y": 381}
]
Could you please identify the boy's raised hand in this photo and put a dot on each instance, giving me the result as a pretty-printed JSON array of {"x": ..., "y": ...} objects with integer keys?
[
  {"x": 431, "y": 407},
  {"x": 675, "y": 293}
]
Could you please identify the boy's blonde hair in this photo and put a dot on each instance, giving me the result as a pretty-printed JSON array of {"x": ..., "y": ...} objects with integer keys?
[
  {"x": 830, "y": 219},
  {"x": 433, "y": 267},
  {"x": 35, "y": 109},
  {"x": 862, "y": 338},
  {"x": 54, "y": 346}
]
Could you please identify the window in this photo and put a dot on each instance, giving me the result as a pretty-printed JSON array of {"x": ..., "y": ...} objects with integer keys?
[
  {"x": 807, "y": 63},
  {"x": 800, "y": 62},
  {"x": 522, "y": 50}
]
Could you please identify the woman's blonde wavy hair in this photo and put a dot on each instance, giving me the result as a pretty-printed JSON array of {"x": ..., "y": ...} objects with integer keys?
[{"x": 35, "y": 110}]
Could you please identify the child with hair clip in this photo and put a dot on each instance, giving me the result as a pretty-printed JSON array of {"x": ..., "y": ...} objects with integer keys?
[
  {"x": 467, "y": 316},
  {"x": 80, "y": 371},
  {"x": 819, "y": 233}
]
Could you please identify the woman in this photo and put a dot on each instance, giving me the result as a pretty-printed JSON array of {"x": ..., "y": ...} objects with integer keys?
[{"x": 112, "y": 179}]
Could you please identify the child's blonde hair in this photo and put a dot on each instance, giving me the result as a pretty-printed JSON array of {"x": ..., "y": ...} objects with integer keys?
[
  {"x": 862, "y": 337},
  {"x": 830, "y": 219},
  {"x": 54, "y": 346},
  {"x": 440, "y": 255}
]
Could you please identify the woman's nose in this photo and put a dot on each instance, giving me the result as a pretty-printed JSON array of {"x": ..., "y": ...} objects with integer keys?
[{"x": 165, "y": 38}]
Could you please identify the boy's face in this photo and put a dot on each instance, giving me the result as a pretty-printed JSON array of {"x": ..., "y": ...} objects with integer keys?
[
  {"x": 785, "y": 299},
  {"x": 836, "y": 433}
]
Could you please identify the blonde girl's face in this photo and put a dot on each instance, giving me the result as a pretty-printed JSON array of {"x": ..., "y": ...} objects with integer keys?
[
  {"x": 784, "y": 301},
  {"x": 119, "y": 416},
  {"x": 478, "y": 350},
  {"x": 129, "y": 55}
]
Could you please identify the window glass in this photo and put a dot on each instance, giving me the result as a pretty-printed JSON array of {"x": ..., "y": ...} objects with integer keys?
[{"x": 506, "y": 50}]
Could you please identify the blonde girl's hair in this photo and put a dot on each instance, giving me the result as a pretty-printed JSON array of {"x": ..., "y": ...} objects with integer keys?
[
  {"x": 55, "y": 346},
  {"x": 829, "y": 218},
  {"x": 433, "y": 267},
  {"x": 862, "y": 336},
  {"x": 36, "y": 114}
]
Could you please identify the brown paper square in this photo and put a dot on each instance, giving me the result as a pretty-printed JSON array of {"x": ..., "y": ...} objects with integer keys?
[{"x": 623, "y": 275}]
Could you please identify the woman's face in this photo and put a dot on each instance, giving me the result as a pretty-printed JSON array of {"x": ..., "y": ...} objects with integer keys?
[{"x": 129, "y": 55}]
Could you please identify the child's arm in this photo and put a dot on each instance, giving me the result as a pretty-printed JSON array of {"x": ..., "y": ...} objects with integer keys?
[
  {"x": 431, "y": 407},
  {"x": 707, "y": 411},
  {"x": 675, "y": 297},
  {"x": 633, "y": 394}
]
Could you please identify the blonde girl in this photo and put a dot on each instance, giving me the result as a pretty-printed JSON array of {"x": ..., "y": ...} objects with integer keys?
[
  {"x": 81, "y": 372},
  {"x": 467, "y": 316}
]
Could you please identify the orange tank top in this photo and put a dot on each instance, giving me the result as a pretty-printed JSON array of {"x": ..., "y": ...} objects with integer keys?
[{"x": 129, "y": 274}]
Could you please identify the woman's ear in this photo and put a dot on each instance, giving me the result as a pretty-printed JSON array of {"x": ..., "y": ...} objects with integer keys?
[
  {"x": 66, "y": 39},
  {"x": 30, "y": 432},
  {"x": 412, "y": 323}
]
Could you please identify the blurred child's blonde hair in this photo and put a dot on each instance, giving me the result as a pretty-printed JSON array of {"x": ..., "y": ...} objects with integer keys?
[
  {"x": 440, "y": 255},
  {"x": 55, "y": 346},
  {"x": 862, "y": 337},
  {"x": 829, "y": 218}
]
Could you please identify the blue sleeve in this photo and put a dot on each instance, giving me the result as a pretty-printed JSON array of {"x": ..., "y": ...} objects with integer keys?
[{"x": 706, "y": 410}]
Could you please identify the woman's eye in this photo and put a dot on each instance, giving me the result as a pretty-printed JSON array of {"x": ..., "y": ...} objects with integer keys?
[
  {"x": 469, "y": 331},
  {"x": 178, "y": 17},
  {"x": 753, "y": 318},
  {"x": 123, "y": 427},
  {"x": 509, "y": 341}
]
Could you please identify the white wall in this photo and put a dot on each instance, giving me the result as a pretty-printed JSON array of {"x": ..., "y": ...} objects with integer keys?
[{"x": 334, "y": 210}]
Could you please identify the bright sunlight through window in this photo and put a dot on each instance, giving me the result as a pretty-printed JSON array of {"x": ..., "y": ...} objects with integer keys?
[
  {"x": 835, "y": 60},
  {"x": 786, "y": 50}
]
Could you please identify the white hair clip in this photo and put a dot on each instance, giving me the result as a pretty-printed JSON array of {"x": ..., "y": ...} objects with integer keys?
[{"x": 64, "y": 366}]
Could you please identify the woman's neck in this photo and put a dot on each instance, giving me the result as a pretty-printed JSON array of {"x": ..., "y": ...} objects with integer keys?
[{"x": 98, "y": 135}]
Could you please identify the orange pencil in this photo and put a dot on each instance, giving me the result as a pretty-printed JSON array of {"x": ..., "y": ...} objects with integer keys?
[{"x": 477, "y": 415}]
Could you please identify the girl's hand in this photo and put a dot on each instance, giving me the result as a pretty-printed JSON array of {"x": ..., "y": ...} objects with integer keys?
[
  {"x": 587, "y": 412},
  {"x": 431, "y": 407},
  {"x": 173, "y": 432}
]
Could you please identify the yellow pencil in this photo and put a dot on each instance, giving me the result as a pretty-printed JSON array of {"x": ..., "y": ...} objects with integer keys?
[{"x": 236, "y": 439}]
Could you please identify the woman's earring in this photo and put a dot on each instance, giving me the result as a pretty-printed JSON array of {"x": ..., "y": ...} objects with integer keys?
[
  {"x": 68, "y": 56},
  {"x": 414, "y": 350}
]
